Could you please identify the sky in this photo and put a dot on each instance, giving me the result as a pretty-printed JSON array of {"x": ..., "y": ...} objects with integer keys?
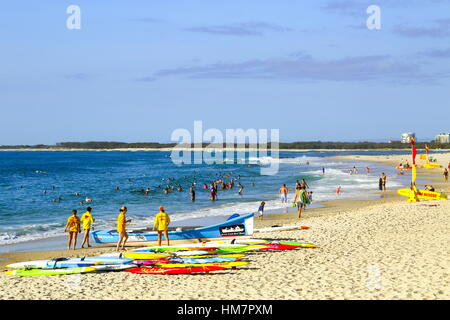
[{"x": 135, "y": 71}]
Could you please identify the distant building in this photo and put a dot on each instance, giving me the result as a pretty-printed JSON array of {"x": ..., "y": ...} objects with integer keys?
[
  {"x": 406, "y": 137},
  {"x": 442, "y": 138}
]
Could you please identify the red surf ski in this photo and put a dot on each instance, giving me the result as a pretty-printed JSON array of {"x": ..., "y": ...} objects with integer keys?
[
  {"x": 278, "y": 247},
  {"x": 150, "y": 261}
]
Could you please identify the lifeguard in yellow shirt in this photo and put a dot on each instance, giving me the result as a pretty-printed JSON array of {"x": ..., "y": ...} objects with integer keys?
[
  {"x": 161, "y": 223},
  {"x": 73, "y": 224},
  {"x": 87, "y": 220}
]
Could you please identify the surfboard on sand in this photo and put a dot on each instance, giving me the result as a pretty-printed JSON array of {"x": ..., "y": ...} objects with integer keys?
[
  {"x": 299, "y": 244},
  {"x": 51, "y": 264},
  {"x": 219, "y": 264},
  {"x": 49, "y": 272}
]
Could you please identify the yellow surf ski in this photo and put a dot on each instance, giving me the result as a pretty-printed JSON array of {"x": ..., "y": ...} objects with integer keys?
[
  {"x": 145, "y": 255},
  {"x": 431, "y": 165},
  {"x": 423, "y": 194}
]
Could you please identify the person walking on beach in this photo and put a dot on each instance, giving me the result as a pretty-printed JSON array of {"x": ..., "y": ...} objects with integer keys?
[
  {"x": 87, "y": 221},
  {"x": 338, "y": 190},
  {"x": 122, "y": 228},
  {"x": 261, "y": 210},
  {"x": 301, "y": 199},
  {"x": 445, "y": 174},
  {"x": 161, "y": 223},
  {"x": 73, "y": 224},
  {"x": 283, "y": 193},
  {"x": 383, "y": 179}
]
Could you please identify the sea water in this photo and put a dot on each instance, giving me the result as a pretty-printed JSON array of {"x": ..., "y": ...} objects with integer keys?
[{"x": 30, "y": 180}]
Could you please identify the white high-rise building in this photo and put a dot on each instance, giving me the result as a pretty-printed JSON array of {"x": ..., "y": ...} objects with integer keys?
[
  {"x": 442, "y": 138},
  {"x": 406, "y": 137}
]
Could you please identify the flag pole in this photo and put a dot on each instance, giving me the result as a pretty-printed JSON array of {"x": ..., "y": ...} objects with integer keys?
[{"x": 413, "y": 197}]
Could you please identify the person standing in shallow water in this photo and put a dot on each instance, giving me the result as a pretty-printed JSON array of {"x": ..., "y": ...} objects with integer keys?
[
  {"x": 192, "y": 191},
  {"x": 383, "y": 181},
  {"x": 241, "y": 189},
  {"x": 304, "y": 185},
  {"x": 283, "y": 193}
]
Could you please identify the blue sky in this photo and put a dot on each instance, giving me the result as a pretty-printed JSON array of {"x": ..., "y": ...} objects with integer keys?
[{"x": 137, "y": 70}]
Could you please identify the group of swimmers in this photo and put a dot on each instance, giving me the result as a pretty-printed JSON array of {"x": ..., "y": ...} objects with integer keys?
[
  {"x": 214, "y": 186},
  {"x": 223, "y": 182},
  {"x": 74, "y": 226},
  {"x": 354, "y": 170}
]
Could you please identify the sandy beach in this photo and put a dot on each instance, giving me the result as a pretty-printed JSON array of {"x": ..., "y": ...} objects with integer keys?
[{"x": 368, "y": 249}]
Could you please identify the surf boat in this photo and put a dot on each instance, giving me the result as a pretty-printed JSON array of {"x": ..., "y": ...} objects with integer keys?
[{"x": 235, "y": 227}]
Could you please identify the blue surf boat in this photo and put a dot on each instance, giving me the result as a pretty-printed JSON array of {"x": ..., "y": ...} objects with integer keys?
[{"x": 239, "y": 227}]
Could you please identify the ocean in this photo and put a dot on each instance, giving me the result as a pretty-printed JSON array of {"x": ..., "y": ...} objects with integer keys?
[{"x": 30, "y": 180}]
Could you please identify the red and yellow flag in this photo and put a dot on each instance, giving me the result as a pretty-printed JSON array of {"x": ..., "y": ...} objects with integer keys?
[{"x": 413, "y": 151}]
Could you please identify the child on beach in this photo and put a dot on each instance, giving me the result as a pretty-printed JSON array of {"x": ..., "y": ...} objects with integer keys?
[
  {"x": 73, "y": 224},
  {"x": 261, "y": 210},
  {"x": 161, "y": 223},
  {"x": 338, "y": 190},
  {"x": 87, "y": 221},
  {"x": 310, "y": 193},
  {"x": 121, "y": 228}
]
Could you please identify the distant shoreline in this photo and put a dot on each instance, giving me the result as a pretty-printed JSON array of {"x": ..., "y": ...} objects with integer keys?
[{"x": 206, "y": 149}]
